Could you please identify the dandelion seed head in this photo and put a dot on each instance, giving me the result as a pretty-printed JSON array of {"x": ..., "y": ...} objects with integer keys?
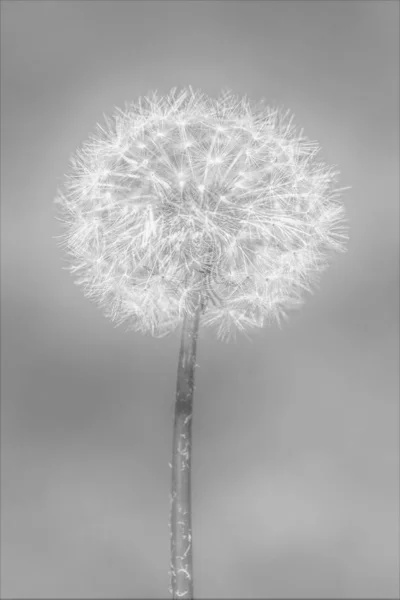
[{"x": 182, "y": 192}]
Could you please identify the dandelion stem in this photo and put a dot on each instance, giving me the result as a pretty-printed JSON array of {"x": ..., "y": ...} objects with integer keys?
[{"x": 181, "y": 514}]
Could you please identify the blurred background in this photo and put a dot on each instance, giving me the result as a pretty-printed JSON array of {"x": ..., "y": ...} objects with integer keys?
[{"x": 295, "y": 433}]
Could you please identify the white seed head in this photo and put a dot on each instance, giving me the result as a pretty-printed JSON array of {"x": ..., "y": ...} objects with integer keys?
[{"x": 149, "y": 218}]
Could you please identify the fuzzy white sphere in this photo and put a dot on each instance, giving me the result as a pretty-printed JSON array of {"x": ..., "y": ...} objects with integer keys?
[{"x": 183, "y": 193}]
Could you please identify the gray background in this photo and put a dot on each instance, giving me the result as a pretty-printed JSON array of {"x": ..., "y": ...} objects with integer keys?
[{"x": 295, "y": 465}]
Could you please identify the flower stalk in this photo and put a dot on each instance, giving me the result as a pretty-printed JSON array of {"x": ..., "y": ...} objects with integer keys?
[{"x": 181, "y": 569}]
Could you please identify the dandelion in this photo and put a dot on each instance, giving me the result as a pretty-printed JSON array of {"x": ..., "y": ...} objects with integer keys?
[{"x": 186, "y": 209}]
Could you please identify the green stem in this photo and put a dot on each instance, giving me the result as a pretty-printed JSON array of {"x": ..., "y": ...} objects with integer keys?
[{"x": 181, "y": 512}]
